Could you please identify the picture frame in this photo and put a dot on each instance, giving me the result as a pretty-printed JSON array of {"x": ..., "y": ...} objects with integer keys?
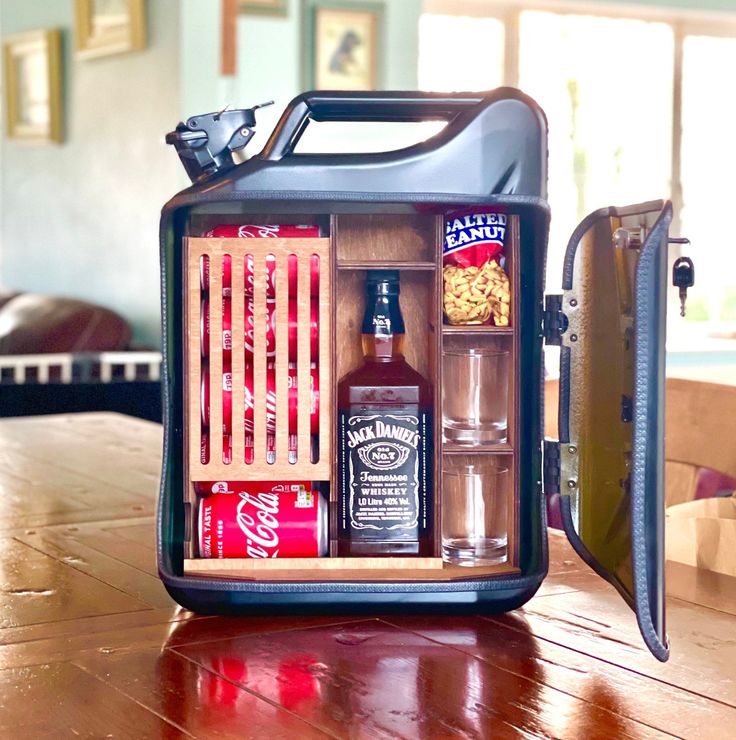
[
  {"x": 32, "y": 78},
  {"x": 343, "y": 45},
  {"x": 264, "y": 7},
  {"x": 105, "y": 27}
]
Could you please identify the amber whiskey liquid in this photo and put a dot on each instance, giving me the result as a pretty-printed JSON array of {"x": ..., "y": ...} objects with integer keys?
[{"x": 385, "y": 438}]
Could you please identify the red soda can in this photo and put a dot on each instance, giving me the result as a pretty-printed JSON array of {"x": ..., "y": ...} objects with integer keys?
[
  {"x": 271, "y": 412},
  {"x": 204, "y": 446},
  {"x": 294, "y": 404},
  {"x": 270, "y": 328},
  {"x": 264, "y": 524},
  {"x": 204, "y": 396},
  {"x": 227, "y": 402},
  {"x": 314, "y": 399},
  {"x": 204, "y": 273},
  {"x": 227, "y": 276},
  {"x": 249, "y": 276},
  {"x": 227, "y": 326},
  {"x": 314, "y": 277},
  {"x": 294, "y": 333},
  {"x": 263, "y": 231},
  {"x": 249, "y": 413},
  {"x": 204, "y": 328},
  {"x": 293, "y": 411},
  {"x": 227, "y": 354}
]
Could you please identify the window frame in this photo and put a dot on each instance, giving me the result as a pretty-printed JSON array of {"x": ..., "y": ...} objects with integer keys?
[{"x": 684, "y": 22}]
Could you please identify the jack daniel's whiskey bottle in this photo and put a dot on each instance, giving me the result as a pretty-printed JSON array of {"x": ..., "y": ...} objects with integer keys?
[{"x": 385, "y": 446}]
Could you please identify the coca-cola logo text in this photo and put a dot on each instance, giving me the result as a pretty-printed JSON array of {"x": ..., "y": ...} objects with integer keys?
[{"x": 257, "y": 521}]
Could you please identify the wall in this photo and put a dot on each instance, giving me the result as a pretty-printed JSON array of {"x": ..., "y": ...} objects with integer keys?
[
  {"x": 81, "y": 218},
  {"x": 270, "y": 58}
]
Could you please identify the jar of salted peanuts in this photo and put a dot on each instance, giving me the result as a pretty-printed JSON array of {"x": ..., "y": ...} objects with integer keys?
[{"x": 475, "y": 286}]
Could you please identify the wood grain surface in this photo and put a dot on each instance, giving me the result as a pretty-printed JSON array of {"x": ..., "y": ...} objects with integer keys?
[{"x": 92, "y": 646}]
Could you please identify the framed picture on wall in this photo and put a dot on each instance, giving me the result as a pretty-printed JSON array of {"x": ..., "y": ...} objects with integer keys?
[
  {"x": 32, "y": 69},
  {"x": 103, "y": 27},
  {"x": 264, "y": 7},
  {"x": 343, "y": 45}
]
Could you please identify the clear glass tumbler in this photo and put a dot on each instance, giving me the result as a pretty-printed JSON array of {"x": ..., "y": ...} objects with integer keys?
[
  {"x": 475, "y": 388},
  {"x": 474, "y": 510}
]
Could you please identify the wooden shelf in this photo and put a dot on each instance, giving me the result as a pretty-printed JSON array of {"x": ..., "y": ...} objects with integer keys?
[
  {"x": 341, "y": 569},
  {"x": 384, "y": 265},
  {"x": 502, "y": 448},
  {"x": 477, "y": 329}
]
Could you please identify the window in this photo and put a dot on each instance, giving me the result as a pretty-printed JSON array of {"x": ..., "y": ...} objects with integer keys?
[
  {"x": 609, "y": 115},
  {"x": 460, "y": 53},
  {"x": 709, "y": 177},
  {"x": 640, "y": 105}
]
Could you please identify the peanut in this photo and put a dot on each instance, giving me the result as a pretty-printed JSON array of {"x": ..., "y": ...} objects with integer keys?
[{"x": 473, "y": 295}]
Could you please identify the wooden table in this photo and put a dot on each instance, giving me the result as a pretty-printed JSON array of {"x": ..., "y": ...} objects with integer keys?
[{"x": 92, "y": 646}]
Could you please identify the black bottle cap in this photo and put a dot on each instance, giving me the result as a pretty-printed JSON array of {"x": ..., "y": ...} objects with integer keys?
[{"x": 387, "y": 282}]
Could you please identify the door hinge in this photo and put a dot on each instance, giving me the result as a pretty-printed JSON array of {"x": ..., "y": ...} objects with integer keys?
[
  {"x": 554, "y": 323},
  {"x": 551, "y": 467}
]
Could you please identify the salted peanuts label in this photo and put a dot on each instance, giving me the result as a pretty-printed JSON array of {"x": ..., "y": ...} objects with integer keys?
[
  {"x": 476, "y": 286},
  {"x": 473, "y": 238}
]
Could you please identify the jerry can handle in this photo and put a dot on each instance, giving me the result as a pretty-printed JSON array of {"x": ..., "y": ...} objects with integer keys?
[{"x": 362, "y": 106}]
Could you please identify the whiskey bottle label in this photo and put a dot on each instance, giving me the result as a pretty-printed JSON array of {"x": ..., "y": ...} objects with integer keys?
[{"x": 384, "y": 461}]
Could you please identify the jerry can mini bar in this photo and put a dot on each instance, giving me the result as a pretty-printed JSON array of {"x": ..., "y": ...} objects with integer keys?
[{"x": 270, "y": 272}]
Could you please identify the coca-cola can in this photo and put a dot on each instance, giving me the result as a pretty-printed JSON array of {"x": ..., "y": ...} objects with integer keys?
[
  {"x": 204, "y": 396},
  {"x": 294, "y": 400},
  {"x": 314, "y": 277},
  {"x": 204, "y": 446},
  {"x": 270, "y": 327},
  {"x": 249, "y": 412},
  {"x": 264, "y": 231},
  {"x": 294, "y": 333},
  {"x": 227, "y": 402},
  {"x": 227, "y": 326},
  {"x": 249, "y": 277},
  {"x": 204, "y": 273},
  {"x": 271, "y": 412},
  {"x": 314, "y": 399},
  {"x": 204, "y": 328},
  {"x": 227, "y": 276},
  {"x": 263, "y": 524}
]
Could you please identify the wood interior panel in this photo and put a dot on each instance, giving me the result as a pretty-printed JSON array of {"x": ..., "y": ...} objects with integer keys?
[
  {"x": 512, "y": 262},
  {"x": 385, "y": 238},
  {"x": 436, "y": 377},
  {"x": 501, "y": 338},
  {"x": 413, "y": 243},
  {"x": 417, "y": 307},
  {"x": 341, "y": 569},
  {"x": 200, "y": 224}
]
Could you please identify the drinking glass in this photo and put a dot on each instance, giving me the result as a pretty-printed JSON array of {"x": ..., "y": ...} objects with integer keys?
[
  {"x": 475, "y": 388},
  {"x": 474, "y": 510}
]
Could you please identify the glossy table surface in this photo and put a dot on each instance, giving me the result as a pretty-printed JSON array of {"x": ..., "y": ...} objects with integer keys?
[{"x": 92, "y": 646}]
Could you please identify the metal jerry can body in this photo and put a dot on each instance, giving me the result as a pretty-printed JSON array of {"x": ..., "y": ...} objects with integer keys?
[{"x": 492, "y": 153}]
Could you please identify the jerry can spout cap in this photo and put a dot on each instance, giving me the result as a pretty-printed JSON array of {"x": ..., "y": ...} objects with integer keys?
[{"x": 205, "y": 144}]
